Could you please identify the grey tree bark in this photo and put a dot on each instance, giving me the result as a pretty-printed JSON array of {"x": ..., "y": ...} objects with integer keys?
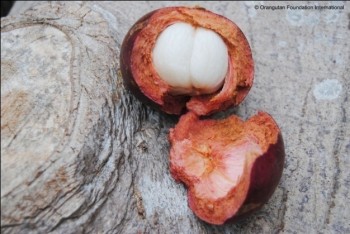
[{"x": 79, "y": 154}]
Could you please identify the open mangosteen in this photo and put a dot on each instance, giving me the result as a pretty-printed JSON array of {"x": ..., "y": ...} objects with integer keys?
[{"x": 180, "y": 58}]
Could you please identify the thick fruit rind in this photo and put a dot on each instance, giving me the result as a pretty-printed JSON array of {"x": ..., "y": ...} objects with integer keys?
[
  {"x": 264, "y": 161},
  {"x": 141, "y": 78},
  {"x": 265, "y": 176}
]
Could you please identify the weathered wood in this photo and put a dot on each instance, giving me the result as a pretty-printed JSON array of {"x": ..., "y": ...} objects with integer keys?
[{"x": 80, "y": 154}]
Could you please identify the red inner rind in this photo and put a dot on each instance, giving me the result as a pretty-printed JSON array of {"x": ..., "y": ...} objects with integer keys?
[
  {"x": 139, "y": 70},
  {"x": 261, "y": 171}
]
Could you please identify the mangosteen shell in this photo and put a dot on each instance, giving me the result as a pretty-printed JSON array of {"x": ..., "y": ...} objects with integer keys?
[{"x": 265, "y": 171}]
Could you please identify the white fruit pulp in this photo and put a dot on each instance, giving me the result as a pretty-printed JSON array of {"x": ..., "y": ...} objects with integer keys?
[{"x": 192, "y": 60}]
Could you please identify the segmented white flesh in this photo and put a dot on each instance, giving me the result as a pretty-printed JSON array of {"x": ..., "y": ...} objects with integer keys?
[{"x": 192, "y": 60}]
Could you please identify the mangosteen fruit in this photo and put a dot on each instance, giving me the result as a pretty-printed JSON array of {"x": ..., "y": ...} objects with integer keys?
[{"x": 180, "y": 59}]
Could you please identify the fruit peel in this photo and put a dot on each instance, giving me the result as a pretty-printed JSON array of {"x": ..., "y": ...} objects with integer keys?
[{"x": 255, "y": 154}]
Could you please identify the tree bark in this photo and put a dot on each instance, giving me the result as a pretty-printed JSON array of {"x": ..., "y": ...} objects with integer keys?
[{"x": 79, "y": 154}]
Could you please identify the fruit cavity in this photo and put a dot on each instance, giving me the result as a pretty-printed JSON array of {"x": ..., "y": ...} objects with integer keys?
[{"x": 230, "y": 167}]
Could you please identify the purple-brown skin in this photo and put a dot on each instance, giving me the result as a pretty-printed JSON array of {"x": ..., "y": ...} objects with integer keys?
[{"x": 144, "y": 82}]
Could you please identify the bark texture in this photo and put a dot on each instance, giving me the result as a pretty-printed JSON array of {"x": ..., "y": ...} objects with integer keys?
[{"x": 79, "y": 154}]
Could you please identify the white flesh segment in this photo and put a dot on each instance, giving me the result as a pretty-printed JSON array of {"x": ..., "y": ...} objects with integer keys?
[
  {"x": 190, "y": 60},
  {"x": 209, "y": 61},
  {"x": 172, "y": 54}
]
